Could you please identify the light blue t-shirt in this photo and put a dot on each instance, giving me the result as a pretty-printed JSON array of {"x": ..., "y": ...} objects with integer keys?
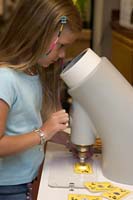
[{"x": 23, "y": 94}]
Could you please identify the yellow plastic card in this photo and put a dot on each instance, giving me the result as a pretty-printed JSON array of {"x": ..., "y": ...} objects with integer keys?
[
  {"x": 116, "y": 194},
  {"x": 83, "y": 168},
  {"x": 83, "y": 197},
  {"x": 99, "y": 186}
]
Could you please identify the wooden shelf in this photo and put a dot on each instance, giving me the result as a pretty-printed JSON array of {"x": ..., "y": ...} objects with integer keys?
[
  {"x": 122, "y": 30},
  {"x": 122, "y": 52}
]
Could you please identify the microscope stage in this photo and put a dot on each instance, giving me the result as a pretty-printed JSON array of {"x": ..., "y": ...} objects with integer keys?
[{"x": 62, "y": 172}]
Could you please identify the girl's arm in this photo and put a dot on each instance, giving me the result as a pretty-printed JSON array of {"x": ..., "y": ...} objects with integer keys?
[{"x": 14, "y": 144}]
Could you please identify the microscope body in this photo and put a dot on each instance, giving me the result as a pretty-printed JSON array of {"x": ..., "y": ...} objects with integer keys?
[
  {"x": 107, "y": 100},
  {"x": 83, "y": 131}
]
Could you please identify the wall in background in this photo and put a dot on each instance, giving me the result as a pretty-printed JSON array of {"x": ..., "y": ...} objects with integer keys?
[{"x": 101, "y": 26}]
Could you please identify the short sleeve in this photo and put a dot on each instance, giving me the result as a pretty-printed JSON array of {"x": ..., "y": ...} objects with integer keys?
[{"x": 7, "y": 87}]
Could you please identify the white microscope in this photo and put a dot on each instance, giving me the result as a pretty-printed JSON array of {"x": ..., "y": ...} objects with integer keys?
[{"x": 103, "y": 105}]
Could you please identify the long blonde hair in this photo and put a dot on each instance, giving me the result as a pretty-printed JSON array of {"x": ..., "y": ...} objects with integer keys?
[{"x": 27, "y": 37}]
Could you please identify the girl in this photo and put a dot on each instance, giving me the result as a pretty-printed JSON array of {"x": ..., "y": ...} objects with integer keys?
[{"x": 29, "y": 86}]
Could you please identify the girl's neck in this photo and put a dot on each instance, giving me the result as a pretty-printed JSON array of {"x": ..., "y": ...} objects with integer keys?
[{"x": 32, "y": 71}]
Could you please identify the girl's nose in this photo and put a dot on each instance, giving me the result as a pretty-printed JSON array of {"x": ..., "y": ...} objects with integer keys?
[{"x": 62, "y": 53}]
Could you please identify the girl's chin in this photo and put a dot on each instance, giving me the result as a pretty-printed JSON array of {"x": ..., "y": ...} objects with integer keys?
[{"x": 45, "y": 66}]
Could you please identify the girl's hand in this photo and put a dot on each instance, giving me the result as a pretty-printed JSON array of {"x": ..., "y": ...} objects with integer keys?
[{"x": 57, "y": 122}]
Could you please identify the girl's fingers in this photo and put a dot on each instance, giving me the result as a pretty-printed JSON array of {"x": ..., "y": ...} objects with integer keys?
[
  {"x": 63, "y": 120},
  {"x": 60, "y": 113},
  {"x": 63, "y": 127}
]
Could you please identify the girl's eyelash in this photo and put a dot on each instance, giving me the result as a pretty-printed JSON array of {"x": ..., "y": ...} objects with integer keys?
[{"x": 61, "y": 45}]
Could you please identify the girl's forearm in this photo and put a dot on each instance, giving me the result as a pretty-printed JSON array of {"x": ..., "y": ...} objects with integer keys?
[{"x": 14, "y": 144}]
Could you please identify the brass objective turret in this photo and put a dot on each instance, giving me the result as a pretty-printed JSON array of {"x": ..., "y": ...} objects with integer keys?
[{"x": 82, "y": 153}]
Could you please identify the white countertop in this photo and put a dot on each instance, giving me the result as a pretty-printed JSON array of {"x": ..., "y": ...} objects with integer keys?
[{"x": 48, "y": 193}]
